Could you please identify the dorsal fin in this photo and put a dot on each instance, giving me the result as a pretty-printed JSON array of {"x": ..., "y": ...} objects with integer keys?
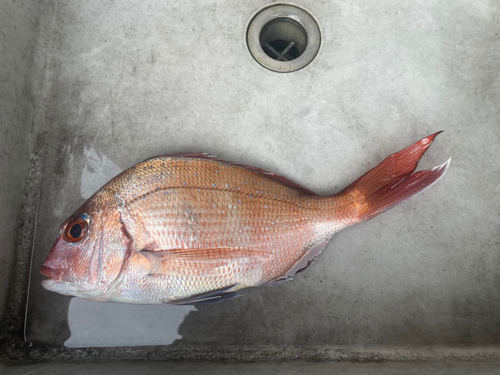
[{"x": 283, "y": 180}]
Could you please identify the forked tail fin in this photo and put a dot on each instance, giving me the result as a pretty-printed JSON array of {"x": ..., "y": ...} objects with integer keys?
[{"x": 393, "y": 181}]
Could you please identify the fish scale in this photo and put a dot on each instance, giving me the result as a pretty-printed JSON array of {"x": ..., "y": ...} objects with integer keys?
[
  {"x": 169, "y": 205},
  {"x": 193, "y": 229}
]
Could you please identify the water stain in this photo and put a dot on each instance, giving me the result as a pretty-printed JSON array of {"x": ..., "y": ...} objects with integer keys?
[
  {"x": 97, "y": 171},
  {"x": 100, "y": 324}
]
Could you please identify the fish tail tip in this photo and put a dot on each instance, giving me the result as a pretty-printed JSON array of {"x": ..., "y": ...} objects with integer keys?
[
  {"x": 427, "y": 141},
  {"x": 443, "y": 167},
  {"x": 436, "y": 134}
]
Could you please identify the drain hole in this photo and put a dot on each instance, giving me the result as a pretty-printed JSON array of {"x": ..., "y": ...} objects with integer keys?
[{"x": 283, "y": 39}]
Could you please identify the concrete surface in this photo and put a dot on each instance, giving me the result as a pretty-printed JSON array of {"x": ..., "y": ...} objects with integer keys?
[
  {"x": 326, "y": 368},
  {"x": 18, "y": 24},
  {"x": 124, "y": 81}
]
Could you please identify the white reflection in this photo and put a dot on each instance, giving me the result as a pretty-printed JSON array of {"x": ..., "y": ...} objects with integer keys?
[
  {"x": 97, "y": 171},
  {"x": 100, "y": 324}
]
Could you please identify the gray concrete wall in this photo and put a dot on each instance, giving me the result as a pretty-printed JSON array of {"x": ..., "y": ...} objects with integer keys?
[
  {"x": 18, "y": 25},
  {"x": 277, "y": 368}
]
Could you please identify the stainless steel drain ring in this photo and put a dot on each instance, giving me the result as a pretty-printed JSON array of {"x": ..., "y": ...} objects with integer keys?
[{"x": 283, "y": 23}]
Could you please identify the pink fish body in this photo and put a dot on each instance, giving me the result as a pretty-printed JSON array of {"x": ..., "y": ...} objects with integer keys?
[{"x": 188, "y": 228}]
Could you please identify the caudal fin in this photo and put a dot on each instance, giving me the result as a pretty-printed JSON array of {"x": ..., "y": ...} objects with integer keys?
[{"x": 393, "y": 181}]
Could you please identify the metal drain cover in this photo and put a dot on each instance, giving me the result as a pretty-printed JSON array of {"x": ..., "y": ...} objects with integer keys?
[{"x": 283, "y": 38}]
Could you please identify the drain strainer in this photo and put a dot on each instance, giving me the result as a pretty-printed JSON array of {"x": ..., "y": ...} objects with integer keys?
[{"x": 283, "y": 38}]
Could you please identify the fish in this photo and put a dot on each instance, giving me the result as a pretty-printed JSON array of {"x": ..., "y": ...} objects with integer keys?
[{"x": 192, "y": 229}]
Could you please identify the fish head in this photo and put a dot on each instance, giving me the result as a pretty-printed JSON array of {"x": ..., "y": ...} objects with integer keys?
[{"x": 89, "y": 251}]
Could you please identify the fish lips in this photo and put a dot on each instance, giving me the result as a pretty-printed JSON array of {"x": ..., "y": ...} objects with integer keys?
[
  {"x": 51, "y": 272},
  {"x": 54, "y": 283}
]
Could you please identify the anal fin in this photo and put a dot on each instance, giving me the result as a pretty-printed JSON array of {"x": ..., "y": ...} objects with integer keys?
[{"x": 304, "y": 262}]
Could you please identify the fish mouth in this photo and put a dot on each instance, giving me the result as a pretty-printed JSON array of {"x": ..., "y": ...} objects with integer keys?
[
  {"x": 55, "y": 284},
  {"x": 51, "y": 273}
]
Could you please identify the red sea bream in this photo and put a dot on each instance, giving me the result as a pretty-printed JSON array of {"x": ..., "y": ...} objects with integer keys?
[{"x": 191, "y": 229}]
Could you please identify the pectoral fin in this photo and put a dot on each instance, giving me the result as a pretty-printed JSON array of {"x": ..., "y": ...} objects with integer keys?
[
  {"x": 211, "y": 254},
  {"x": 234, "y": 266}
]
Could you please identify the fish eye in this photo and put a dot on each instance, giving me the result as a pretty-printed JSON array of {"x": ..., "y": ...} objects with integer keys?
[{"x": 76, "y": 230}]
